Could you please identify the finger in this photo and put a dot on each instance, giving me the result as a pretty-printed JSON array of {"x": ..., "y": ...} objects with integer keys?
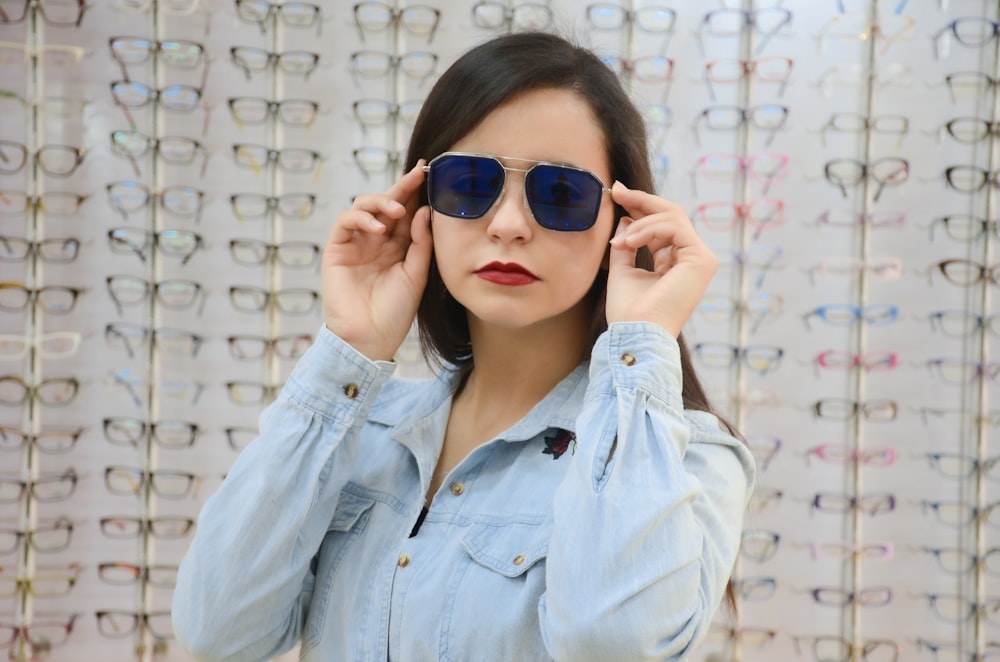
[
  {"x": 639, "y": 203},
  {"x": 418, "y": 255},
  {"x": 406, "y": 187},
  {"x": 352, "y": 221},
  {"x": 621, "y": 254},
  {"x": 662, "y": 229}
]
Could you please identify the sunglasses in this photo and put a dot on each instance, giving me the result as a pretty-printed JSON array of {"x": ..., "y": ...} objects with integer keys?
[{"x": 560, "y": 197}]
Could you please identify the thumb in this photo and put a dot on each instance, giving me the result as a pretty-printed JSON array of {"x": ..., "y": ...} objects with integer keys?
[
  {"x": 418, "y": 255},
  {"x": 621, "y": 256}
]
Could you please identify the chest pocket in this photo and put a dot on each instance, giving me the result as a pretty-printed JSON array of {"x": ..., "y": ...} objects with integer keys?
[{"x": 508, "y": 549}]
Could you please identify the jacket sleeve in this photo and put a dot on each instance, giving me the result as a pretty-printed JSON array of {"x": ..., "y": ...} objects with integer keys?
[
  {"x": 647, "y": 523},
  {"x": 245, "y": 583}
]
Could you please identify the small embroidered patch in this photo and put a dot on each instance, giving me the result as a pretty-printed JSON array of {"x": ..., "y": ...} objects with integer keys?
[{"x": 559, "y": 444}]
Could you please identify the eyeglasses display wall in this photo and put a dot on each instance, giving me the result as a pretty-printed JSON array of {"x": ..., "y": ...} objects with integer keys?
[{"x": 169, "y": 170}]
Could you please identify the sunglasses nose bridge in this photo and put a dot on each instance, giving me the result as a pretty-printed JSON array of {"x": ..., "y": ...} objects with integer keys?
[{"x": 511, "y": 214}]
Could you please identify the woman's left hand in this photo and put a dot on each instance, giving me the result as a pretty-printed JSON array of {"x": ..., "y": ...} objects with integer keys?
[{"x": 683, "y": 264}]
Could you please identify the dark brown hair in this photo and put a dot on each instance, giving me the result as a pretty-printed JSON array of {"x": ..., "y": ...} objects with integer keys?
[{"x": 486, "y": 77}]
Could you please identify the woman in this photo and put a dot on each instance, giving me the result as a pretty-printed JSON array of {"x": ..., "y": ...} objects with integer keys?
[{"x": 561, "y": 489}]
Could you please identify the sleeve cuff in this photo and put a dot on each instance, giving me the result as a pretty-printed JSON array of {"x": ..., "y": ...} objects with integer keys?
[{"x": 639, "y": 355}]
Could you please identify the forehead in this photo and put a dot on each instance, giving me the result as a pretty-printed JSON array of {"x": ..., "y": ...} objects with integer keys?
[{"x": 546, "y": 125}]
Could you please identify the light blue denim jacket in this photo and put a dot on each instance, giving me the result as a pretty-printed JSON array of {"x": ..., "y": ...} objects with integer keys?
[{"x": 537, "y": 547}]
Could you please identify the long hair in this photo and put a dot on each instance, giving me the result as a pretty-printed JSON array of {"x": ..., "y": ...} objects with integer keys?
[{"x": 481, "y": 80}]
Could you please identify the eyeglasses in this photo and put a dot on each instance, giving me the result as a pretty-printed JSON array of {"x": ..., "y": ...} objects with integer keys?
[
  {"x": 57, "y": 13},
  {"x": 124, "y": 574},
  {"x": 764, "y": 499},
  {"x": 961, "y": 466},
  {"x": 45, "y": 582},
  {"x": 376, "y": 112},
  {"x": 855, "y": 123},
  {"x": 728, "y": 22},
  {"x": 755, "y": 588},
  {"x": 173, "y": 293},
  {"x": 720, "y": 309},
  {"x": 959, "y": 323},
  {"x": 969, "y": 179},
  {"x": 722, "y": 216},
  {"x": 875, "y": 596},
  {"x": 887, "y": 171},
  {"x": 960, "y": 562},
  {"x": 177, "y": 150},
  {"x": 256, "y": 110},
  {"x": 50, "y": 440},
  {"x": 46, "y": 488},
  {"x": 290, "y": 301},
  {"x": 169, "y": 389},
  {"x": 560, "y": 197},
  {"x": 858, "y": 26},
  {"x": 174, "y": 7},
  {"x": 839, "y": 314},
  {"x": 838, "y": 502},
  {"x": 288, "y": 205},
  {"x": 957, "y": 514},
  {"x": 375, "y": 159},
  {"x": 959, "y": 371},
  {"x": 960, "y": 653},
  {"x": 177, "y": 53},
  {"x": 838, "y": 648},
  {"x": 418, "y": 65},
  {"x": 249, "y": 347},
  {"x": 857, "y": 74},
  {"x": 765, "y": 70},
  {"x": 54, "y": 392},
  {"x": 848, "y": 266},
  {"x": 965, "y": 228},
  {"x": 128, "y": 431},
  {"x": 291, "y": 254},
  {"x": 763, "y": 448},
  {"x": 53, "y": 299},
  {"x": 880, "y": 551},
  {"x": 970, "y": 31},
  {"x": 845, "y": 454},
  {"x": 175, "y": 243},
  {"x": 845, "y": 218},
  {"x": 116, "y": 624},
  {"x": 293, "y": 14},
  {"x": 377, "y": 16},
  {"x": 759, "y": 545},
  {"x": 130, "y": 337},
  {"x": 257, "y": 60},
  {"x": 239, "y": 437},
  {"x": 833, "y": 359},
  {"x": 44, "y": 538},
  {"x": 493, "y": 15},
  {"x": 744, "y": 637},
  {"x": 762, "y": 359},
  {"x": 41, "y": 634},
  {"x": 970, "y": 416},
  {"x": 968, "y": 84},
  {"x": 765, "y": 167},
  {"x": 838, "y": 409},
  {"x": 647, "y": 69},
  {"x": 289, "y": 159},
  {"x": 655, "y": 19},
  {"x": 166, "y": 527},
  {"x": 178, "y": 98},
  {"x": 956, "y": 609},
  {"x": 53, "y": 160},
  {"x": 47, "y": 55},
  {"x": 252, "y": 393},
  {"x": 768, "y": 117},
  {"x": 127, "y": 197},
  {"x": 971, "y": 130},
  {"x": 966, "y": 272},
  {"x": 52, "y": 251},
  {"x": 53, "y": 202},
  {"x": 165, "y": 483}
]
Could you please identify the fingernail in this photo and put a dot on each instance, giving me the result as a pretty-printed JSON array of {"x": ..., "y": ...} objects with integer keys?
[{"x": 619, "y": 184}]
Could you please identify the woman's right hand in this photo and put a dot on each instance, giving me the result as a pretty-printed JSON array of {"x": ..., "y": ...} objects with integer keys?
[{"x": 375, "y": 267}]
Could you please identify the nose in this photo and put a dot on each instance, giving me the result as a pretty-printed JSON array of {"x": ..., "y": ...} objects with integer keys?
[{"x": 510, "y": 218}]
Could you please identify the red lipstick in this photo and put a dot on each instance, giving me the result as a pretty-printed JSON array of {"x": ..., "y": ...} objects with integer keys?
[{"x": 510, "y": 273}]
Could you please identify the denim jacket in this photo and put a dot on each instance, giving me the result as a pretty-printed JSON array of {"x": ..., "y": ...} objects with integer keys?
[{"x": 536, "y": 547}]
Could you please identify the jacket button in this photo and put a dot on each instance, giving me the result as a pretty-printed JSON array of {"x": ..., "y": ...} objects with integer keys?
[
  {"x": 403, "y": 561},
  {"x": 628, "y": 358},
  {"x": 351, "y": 391},
  {"x": 457, "y": 488},
  {"x": 519, "y": 559}
]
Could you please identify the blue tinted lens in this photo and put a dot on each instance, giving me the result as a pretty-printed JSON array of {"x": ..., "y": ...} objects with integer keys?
[
  {"x": 464, "y": 186},
  {"x": 561, "y": 198}
]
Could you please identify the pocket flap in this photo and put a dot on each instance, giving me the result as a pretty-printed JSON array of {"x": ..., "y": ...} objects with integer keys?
[
  {"x": 350, "y": 508},
  {"x": 508, "y": 549}
]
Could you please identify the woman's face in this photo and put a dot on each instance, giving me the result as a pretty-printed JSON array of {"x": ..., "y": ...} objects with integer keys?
[{"x": 505, "y": 268}]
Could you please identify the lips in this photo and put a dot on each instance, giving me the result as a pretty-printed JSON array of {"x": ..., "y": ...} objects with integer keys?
[{"x": 509, "y": 273}]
